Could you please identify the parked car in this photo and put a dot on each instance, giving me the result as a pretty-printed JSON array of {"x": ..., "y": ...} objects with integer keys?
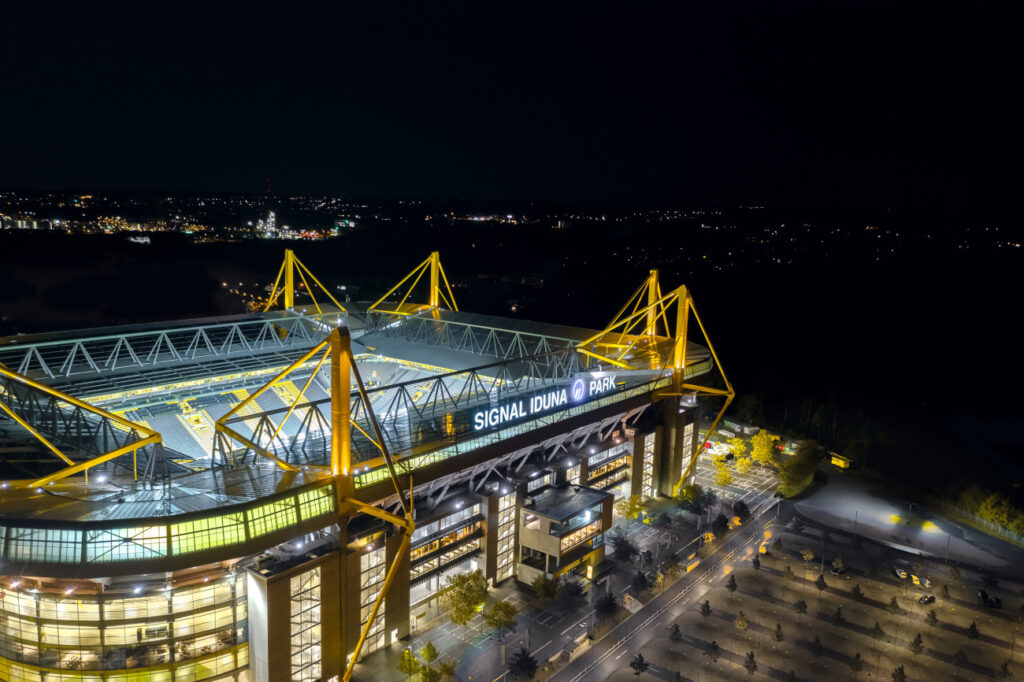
[
  {"x": 837, "y": 571},
  {"x": 921, "y": 582},
  {"x": 899, "y": 573},
  {"x": 926, "y": 599},
  {"x": 983, "y": 597}
]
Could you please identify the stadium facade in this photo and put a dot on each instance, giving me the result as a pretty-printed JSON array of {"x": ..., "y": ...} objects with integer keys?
[{"x": 273, "y": 496}]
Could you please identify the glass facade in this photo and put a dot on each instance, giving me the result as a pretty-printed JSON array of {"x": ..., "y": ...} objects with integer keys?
[
  {"x": 371, "y": 581},
  {"x": 647, "y": 485},
  {"x": 506, "y": 537},
  {"x": 305, "y": 626},
  {"x": 184, "y": 633},
  {"x": 108, "y": 545}
]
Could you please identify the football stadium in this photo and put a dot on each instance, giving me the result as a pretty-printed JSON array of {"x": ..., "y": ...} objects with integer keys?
[{"x": 276, "y": 495}]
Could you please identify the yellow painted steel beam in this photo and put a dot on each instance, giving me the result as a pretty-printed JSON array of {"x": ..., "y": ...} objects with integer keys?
[
  {"x": 263, "y": 452},
  {"x": 300, "y": 395},
  {"x": 289, "y": 279},
  {"x": 38, "y": 436},
  {"x": 72, "y": 470},
  {"x": 617, "y": 363},
  {"x": 322, "y": 287},
  {"x": 400, "y": 283},
  {"x": 275, "y": 292}
]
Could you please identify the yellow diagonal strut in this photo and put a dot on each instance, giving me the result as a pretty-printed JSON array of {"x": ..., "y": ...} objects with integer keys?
[
  {"x": 288, "y": 268},
  {"x": 148, "y": 435},
  {"x": 440, "y": 293}
]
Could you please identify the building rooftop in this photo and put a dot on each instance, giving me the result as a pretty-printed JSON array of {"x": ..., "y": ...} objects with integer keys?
[{"x": 564, "y": 502}]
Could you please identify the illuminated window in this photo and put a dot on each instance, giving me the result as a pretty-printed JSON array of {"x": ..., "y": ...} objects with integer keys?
[
  {"x": 270, "y": 517},
  {"x": 313, "y": 503},
  {"x": 44, "y": 544},
  {"x": 195, "y": 536},
  {"x": 146, "y": 542},
  {"x": 305, "y": 626}
]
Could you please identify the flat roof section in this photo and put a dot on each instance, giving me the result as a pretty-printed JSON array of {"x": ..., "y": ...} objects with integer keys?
[{"x": 564, "y": 502}]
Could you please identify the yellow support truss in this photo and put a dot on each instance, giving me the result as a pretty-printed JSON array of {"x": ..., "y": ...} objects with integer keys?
[
  {"x": 641, "y": 325},
  {"x": 147, "y": 436},
  {"x": 436, "y": 295},
  {"x": 288, "y": 269},
  {"x": 337, "y": 348}
]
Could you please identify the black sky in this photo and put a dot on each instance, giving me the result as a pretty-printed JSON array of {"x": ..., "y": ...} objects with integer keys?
[{"x": 832, "y": 102}]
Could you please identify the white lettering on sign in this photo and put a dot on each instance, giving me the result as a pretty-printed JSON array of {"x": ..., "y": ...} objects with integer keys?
[{"x": 517, "y": 409}]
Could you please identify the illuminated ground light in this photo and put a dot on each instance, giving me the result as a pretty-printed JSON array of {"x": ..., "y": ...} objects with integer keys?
[{"x": 930, "y": 527}]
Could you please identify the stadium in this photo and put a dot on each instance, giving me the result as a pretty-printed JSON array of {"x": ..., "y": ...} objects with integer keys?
[{"x": 178, "y": 498}]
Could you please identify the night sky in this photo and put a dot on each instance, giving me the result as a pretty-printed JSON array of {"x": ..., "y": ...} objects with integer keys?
[{"x": 798, "y": 103}]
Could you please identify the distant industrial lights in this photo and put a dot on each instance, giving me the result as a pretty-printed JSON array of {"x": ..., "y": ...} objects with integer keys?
[{"x": 137, "y": 590}]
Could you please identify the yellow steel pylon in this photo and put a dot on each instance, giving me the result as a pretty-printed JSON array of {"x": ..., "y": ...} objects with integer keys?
[
  {"x": 338, "y": 348},
  {"x": 639, "y": 326},
  {"x": 289, "y": 267},
  {"x": 436, "y": 296}
]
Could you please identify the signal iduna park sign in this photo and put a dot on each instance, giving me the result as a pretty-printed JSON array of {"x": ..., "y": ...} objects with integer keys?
[{"x": 518, "y": 409}]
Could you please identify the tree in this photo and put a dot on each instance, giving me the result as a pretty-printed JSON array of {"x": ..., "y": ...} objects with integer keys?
[
  {"x": 894, "y": 606},
  {"x": 606, "y": 605},
  {"x": 807, "y": 555},
  {"x": 713, "y": 651},
  {"x": 630, "y": 507},
  {"x": 744, "y": 465},
  {"x": 623, "y": 548},
  {"x": 899, "y": 675},
  {"x": 777, "y": 545},
  {"x": 465, "y": 592},
  {"x": 857, "y": 593},
  {"x": 429, "y": 673},
  {"x": 738, "y": 447},
  {"x": 522, "y": 664},
  {"x": 877, "y": 633},
  {"x": 960, "y": 657},
  {"x": 797, "y": 472},
  {"x": 408, "y": 664},
  {"x": 789, "y": 573},
  {"x": 801, "y": 607},
  {"x": 705, "y": 609},
  {"x": 639, "y": 664},
  {"x": 750, "y": 664},
  {"x": 837, "y": 617},
  {"x": 694, "y": 498},
  {"x": 740, "y": 509},
  {"x": 544, "y": 586},
  {"x": 741, "y": 622},
  {"x": 1004, "y": 672},
  {"x": 820, "y": 583},
  {"x": 570, "y": 594},
  {"x": 944, "y": 593},
  {"x": 972, "y": 631},
  {"x": 955, "y": 574},
  {"x": 730, "y": 584},
  {"x": 501, "y": 615},
  {"x": 838, "y": 565},
  {"x": 932, "y": 618},
  {"x": 722, "y": 475},
  {"x": 763, "y": 451},
  {"x": 779, "y": 635},
  {"x": 447, "y": 667},
  {"x": 719, "y": 525},
  {"x": 856, "y": 664},
  {"x": 429, "y": 653},
  {"x": 756, "y": 563},
  {"x": 791, "y": 677},
  {"x": 916, "y": 645},
  {"x": 674, "y": 633},
  {"x": 816, "y": 647},
  {"x": 640, "y": 582}
]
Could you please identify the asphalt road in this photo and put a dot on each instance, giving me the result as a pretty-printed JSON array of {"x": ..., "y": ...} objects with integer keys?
[{"x": 614, "y": 651}]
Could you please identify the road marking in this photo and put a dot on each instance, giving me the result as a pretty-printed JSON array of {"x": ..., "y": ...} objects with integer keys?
[
  {"x": 540, "y": 647},
  {"x": 574, "y": 625}
]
